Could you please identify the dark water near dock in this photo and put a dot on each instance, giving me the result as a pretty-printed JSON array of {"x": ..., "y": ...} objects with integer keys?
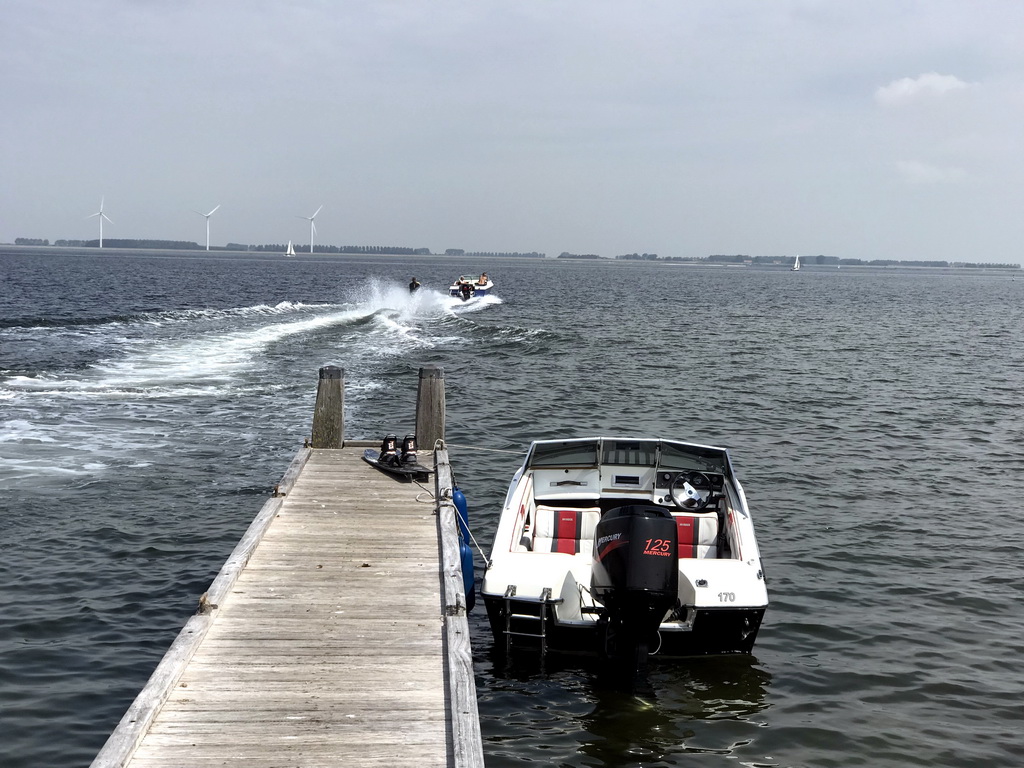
[{"x": 148, "y": 404}]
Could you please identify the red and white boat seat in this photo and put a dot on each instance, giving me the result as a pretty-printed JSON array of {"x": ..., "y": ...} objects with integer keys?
[
  {"x": 563, "y": 529},
  {"x": 698, "y": 535}
]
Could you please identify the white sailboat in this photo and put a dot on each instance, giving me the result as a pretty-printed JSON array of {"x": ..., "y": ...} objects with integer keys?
[
  {"x": 796, "y": 264},
  {"x": 291, "y": 249}
]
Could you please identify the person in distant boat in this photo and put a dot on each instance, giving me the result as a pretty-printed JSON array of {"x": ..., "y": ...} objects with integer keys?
[
  {"x": 414, "y": 285},
  {"x": 482, "y": 280}
]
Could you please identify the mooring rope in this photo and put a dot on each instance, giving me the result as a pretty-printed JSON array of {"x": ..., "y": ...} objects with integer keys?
[
  {"x": 481, "y": 448},
  {"x": 479, "y": 549}
]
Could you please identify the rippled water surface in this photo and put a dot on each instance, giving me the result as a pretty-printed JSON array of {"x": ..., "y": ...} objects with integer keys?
[{"x": 149, "y": 403}]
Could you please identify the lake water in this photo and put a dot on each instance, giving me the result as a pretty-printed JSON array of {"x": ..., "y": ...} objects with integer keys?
[{"x": 149, "y": 403}]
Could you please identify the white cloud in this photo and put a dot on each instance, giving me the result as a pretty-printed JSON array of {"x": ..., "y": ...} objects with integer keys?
[
  {"x": 909, "y": 89},
  {"x": 915, "y": 172}
]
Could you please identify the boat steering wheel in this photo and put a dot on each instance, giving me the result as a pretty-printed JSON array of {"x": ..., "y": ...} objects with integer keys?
[{"x": 691, "y": 491}]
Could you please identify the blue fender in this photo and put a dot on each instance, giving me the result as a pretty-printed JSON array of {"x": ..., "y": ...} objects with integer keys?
[{"x": 465, "y": 550}]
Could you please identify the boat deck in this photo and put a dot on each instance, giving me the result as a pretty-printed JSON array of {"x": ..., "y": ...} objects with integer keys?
[{"x": 330, "y": 647}]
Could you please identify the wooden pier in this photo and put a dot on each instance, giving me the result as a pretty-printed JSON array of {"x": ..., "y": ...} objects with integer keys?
[{"x": 336, "y": 632}]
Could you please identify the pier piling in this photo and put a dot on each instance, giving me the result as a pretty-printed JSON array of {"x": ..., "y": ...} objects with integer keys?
[
  {"x": 430, "y": 405},
  {"x": 328, "y": 414}
]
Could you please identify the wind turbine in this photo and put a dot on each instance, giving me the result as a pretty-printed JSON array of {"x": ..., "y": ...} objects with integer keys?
[
  {"x": 207, "y": 215},
  {"x": 312, "y": 227},
  {"x": 101, "y": 216}
]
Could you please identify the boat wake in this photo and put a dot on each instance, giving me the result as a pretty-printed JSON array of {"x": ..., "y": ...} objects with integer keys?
[
  {"x": 127, "y": 377},
  {"x": 457, "y": 306},
  {"x": 28, "y": 325},
  {"x": 202, "y": 351}
]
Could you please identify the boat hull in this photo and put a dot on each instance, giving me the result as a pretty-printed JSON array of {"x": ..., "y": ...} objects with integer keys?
[
  {"x": 476, "y": 288},
  {"x": 474, "y": 293},
  {"x": 711, "y": 632}
]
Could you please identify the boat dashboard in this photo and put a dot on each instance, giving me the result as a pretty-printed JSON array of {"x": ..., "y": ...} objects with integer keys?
[{"x": 612, "y": 482}]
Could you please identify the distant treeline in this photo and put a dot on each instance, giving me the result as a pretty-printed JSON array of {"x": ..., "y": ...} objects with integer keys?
[
  {"x": 375, "y": 250},
  {"x": 171, "y": 245},
  {"x": 823, "y": 260},
  {"x": 363, "y": 250},
  {"x": 494, "y": 254},
  {"x": 656, "y": 257}
]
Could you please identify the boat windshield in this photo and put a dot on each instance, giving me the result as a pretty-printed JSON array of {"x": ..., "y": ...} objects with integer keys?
[
  {"x": 704, "y": 459},
  {"x": 565, "y": 453},
  {"x": 664, "y": 454},
  {"x": 630, "y": 453}
]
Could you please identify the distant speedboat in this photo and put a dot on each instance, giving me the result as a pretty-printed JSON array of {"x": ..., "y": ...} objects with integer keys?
[
  {"x": 623, "y": 549},
  {"x": 796, "y": 265},
  {"x": 291, "y": 249},
  {"x": 469, "y": 286}
]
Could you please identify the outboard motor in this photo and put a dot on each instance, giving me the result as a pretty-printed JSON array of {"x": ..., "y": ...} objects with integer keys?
[{"x": 636, "y": 577}]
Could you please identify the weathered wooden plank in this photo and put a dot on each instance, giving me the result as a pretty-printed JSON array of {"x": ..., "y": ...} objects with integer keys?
[
  {"x": 322, "y": 753},
  {"x": 467, "y": 743},
  {"x": 290, "y": 699}
]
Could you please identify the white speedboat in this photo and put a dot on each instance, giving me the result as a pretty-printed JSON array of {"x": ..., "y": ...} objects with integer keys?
[
  {"x": 469, "y": 286},
  {"x": 623, "y": 548}
]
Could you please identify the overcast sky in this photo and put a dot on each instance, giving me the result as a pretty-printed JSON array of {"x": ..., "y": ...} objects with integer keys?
[{"x": 861, "y": 128}]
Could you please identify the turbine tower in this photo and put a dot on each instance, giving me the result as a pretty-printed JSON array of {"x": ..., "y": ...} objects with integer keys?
[
  {"x": 101, "y": 216},
  {"x": 207, "y": 215},
  {"x": 312, "y": 227}
]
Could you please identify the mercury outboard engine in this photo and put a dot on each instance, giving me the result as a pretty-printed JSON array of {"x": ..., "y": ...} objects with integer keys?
[{"x": 636, "y": 577}]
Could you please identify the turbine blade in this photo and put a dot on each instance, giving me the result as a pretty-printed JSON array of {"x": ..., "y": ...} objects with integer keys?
[
  {"x": 313, "y": 225},
  {"x": 214, "y": 210},
  {"x": 317, "y": 211},
  {"x": 107, "y": 218}
]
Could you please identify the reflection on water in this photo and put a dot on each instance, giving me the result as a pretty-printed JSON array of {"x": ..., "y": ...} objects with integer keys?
[{"x": 566, "y": 712}]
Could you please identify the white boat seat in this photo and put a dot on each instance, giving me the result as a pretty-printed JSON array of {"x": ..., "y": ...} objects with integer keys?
[
  {"x": 562, "y": 529},
  {"x": 698, "y": 535}
]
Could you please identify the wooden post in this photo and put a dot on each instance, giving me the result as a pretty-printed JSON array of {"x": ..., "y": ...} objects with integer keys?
[
  {"x": 328, "y": 415},
  {"x": 430, "y": 407}
]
